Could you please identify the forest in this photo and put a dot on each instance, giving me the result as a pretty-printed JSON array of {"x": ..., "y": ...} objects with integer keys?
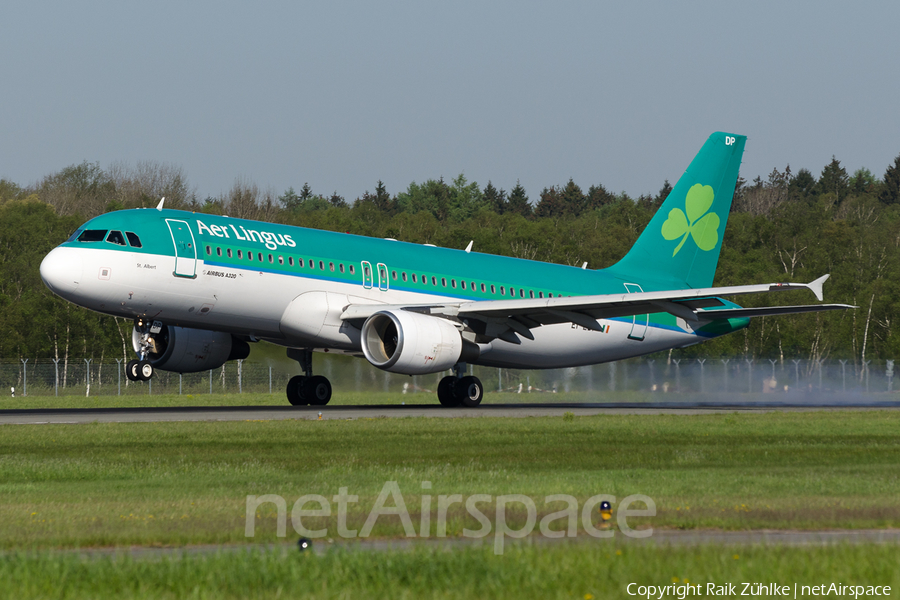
[{"x": 787, "y": 227}]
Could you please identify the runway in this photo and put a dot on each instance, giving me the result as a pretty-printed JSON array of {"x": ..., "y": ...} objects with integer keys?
[
  {"x": 393, "y": 411},
  {"x": 660, "y": 537}
]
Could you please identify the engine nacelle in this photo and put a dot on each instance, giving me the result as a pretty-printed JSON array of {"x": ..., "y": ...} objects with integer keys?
[
  {"x": 185, "y": 350},
  {"x": 412, "y": 343}
]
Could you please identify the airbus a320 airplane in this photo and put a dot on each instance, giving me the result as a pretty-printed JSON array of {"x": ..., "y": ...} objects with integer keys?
[{"x": 200, "y": 287}]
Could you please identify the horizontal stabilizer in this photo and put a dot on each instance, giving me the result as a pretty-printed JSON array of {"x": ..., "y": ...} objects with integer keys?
[{"x": 765, "y": 311}]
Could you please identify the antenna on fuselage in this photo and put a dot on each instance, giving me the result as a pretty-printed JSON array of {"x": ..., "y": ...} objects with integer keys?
[{"x": 160, "y": 205}]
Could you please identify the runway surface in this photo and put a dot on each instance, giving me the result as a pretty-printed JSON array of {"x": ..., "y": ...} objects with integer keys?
[
  {"x": 275, "y": 413},
  {"x": 660, "y": 537}
]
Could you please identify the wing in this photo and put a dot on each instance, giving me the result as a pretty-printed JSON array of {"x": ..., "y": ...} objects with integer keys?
[{"x": 505, "y": 319}]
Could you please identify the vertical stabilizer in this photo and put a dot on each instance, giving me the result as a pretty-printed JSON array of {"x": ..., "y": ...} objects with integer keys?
[{"x": 682, "y": 242}]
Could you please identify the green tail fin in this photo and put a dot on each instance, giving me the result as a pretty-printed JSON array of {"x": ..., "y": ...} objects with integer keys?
[{"x": 681, "y": 244}]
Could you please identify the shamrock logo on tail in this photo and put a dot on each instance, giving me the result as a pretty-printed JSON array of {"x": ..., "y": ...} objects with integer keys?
[{"x": 703, "y": 227}]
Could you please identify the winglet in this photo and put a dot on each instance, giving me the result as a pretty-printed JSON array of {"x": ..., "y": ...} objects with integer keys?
[
  {"x": 469, "y": 247},
  {"x": 816, "y": 286},
  {"x": 160, "y": 205}
]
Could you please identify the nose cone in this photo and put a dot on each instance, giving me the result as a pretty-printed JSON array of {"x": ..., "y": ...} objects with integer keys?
[{"x": 61, "y": 270}]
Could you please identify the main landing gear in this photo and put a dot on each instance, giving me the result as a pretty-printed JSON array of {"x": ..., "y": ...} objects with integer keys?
[
  {"x": 311, "y": 389},
  {"x": 140, "y": 369},
  {"x": 460, "y": 390}
]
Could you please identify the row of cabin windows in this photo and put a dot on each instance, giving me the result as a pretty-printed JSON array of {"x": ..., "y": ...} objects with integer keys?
[
  {"x": 281, "y": 261},
  {"x": 471, "y": 285},
  {"x": 113, "y": 237},
  {"x": 415, "y": 277}
]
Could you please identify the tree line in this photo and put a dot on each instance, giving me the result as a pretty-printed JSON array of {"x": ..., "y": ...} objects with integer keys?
[{"x": 789, "y": 226}]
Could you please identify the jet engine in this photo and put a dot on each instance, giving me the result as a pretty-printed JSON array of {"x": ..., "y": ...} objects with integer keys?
[
  {"x": 411, "y": 343},
  {"x": 185, "y": 350}
]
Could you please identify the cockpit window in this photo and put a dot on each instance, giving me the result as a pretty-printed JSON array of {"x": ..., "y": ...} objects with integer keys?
[
  {"x": 75, "y": 235},
  {"x": 133, "y": 239},
  {"x": 92, "y": 235},
  {"x": 116, "y": 237}
]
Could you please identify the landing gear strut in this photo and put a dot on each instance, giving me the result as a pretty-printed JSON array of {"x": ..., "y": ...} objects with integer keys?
[
  {"x": 310, "y": 389},
  {"x": 460, "y": 390},
  {"x": 140, "y": 369}
]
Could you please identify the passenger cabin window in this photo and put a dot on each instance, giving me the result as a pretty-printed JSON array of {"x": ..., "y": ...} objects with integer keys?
[
  {"x": 116, "y": 237},
  {"x": 331, "y": 267},
  {"x": 341, "y": 266},
  {"x": 133, "y": 239},
  {"x": 259, "y": 256},
  {"x": 240, "y": 254},
  {"x": 299, "y": 262},
  {"x": 444, "y": 281},
  {"x": 502, "y": 290},
  {"x": 280, "y": 260},
  {"x": 219, "y": 251},
  {"x": 352, "y": 269},
  {"x": 229, "y": 253},
  {"x": 493, "y": 289},
  {"x": 403, "y": 275},
  {"x": 414, "y": 277},
  {"x": 249, "y": 256},
  {"x": 322, "y": 265},
  {"x": 452, "y": 283},
  {"x": 462, "y": 284},
  {"x": 92, "y": 235},
  {"x": 208, "y": 251}
]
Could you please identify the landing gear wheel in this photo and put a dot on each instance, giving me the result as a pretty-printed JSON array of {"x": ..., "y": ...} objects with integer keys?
[
  {"x": 145, "y": 370},
  {"x": 295, "y": 391},
  {"x": 445, "y": 392},
  {"x": 131, "y": 370},
  {"x": 317, "y": 389},
  {"x": 470, "y": 391}
]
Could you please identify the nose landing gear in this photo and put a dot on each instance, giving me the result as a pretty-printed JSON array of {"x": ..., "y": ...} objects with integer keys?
[
  {"x": 311, "y": 389},
  {"x": 140, "y": 369}
]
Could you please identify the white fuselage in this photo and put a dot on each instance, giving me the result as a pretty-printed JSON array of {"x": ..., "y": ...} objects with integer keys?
[{"x": 256, "y": 303}]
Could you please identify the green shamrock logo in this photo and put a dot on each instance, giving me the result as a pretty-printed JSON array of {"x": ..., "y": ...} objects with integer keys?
[{"x": 704, "y": 228}]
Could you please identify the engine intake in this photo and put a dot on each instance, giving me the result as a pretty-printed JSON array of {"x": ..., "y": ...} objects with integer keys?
[
  {"x": 412, "y": 343},
  {"x": 185, "y": 350}
]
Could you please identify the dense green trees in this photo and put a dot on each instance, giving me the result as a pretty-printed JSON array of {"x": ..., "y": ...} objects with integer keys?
[{"x": 786, "y": 227}]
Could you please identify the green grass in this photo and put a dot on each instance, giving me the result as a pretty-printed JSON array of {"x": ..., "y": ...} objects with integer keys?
[
  {"x": 186, "y": 483},
  {"x": 581, "y": 571}
]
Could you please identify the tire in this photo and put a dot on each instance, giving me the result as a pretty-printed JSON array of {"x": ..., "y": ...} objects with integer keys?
[
  {"x": 145, "y": 370},
  {"x": 131, "y": 370},
  {"x": 470, "y": 391},
  {"x": 445, "y": 392},
  {"x": 317, "y": 389},
  {"x": 295, "y": 391}
]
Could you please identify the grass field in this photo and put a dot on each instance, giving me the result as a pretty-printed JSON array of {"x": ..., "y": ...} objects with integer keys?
[
  {"x": 187, "y": 483},
  {"x": 580, "y": 571}
]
